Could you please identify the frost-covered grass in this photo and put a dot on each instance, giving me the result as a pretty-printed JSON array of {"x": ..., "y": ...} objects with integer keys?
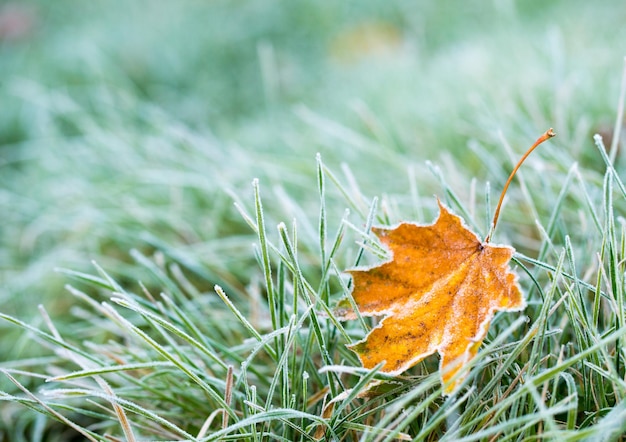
[{"x": 174, "y": 314}]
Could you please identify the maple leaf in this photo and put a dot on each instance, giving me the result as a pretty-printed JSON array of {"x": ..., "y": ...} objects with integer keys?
[{"x": 439, "y": 293}]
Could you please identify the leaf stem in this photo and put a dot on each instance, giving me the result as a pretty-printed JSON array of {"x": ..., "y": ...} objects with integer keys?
[{"x": 546, "y": 136}]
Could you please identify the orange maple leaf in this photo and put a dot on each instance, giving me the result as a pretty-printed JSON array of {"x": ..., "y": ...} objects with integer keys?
[{"x": 438, "y": 294}]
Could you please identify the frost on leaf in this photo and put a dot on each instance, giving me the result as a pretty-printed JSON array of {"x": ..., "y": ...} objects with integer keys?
[{"x": 438, "y": 294}]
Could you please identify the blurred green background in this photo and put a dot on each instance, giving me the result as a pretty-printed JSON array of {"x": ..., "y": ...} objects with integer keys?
[{"x": 134, "y": 125}]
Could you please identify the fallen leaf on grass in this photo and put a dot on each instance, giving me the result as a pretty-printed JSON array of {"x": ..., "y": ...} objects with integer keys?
[{"x": 438, "y": 294}]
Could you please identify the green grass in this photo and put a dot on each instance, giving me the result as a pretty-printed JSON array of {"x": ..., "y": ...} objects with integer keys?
[{"x": 174, "y": 314}]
